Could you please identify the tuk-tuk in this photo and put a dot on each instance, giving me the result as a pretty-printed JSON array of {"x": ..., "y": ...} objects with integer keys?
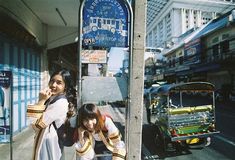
[{"x": 183, "y": 114}]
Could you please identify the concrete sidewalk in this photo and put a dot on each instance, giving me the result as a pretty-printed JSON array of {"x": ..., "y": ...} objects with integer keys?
[{"x": 22, "y": 147}]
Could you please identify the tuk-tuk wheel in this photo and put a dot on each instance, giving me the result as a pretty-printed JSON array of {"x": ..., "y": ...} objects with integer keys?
[{"x": 203, "y": 142}]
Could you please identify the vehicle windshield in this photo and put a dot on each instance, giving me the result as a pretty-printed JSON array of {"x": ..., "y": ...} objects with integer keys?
[{"x": 190, "y": 98}]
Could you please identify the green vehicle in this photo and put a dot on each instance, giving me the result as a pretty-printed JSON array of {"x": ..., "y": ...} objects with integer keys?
[{"x": 183, "y": 115}]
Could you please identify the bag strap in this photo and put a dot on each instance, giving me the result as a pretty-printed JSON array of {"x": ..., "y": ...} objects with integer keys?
[
  {"x": 54, "y": 100},
  {"x": 53, "y": 123},
  {"x": 57, "y": 98}
]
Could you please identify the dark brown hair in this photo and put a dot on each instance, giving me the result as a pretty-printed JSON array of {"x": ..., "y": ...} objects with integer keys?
[
  {"x": 70, "y": 92},
  {"x": 90, "y": 111}
]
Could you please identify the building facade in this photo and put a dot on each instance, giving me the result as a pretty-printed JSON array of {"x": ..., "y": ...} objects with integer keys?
[
  {"x": 208, "y": 56},
  {"x": 167, "y": 20}
]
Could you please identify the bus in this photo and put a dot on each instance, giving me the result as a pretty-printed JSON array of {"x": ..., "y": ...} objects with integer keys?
[{"x": 109, "y": 24}]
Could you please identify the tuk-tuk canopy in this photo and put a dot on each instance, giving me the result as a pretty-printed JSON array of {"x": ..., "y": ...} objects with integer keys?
[{"x": 190, "y": 86}]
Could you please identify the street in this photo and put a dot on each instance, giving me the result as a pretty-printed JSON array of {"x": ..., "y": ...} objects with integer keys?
[{"x": 222, "y": 146}]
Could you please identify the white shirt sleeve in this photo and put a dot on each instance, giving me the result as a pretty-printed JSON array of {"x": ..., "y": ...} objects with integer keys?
[
  {"x": 110, "y": 126},
  {"x": 90, "y": 154},
  {"x": 112, "y": 129},
  {"x": 57, "y": 112}
]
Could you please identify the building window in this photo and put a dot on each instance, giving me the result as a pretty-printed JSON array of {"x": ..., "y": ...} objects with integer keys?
[
  {"x": 170, "y": 63},
  {"x": 215, "y": 40},
  {"x": 181, "y": 60},
  {"x": 173, "y": 63},
  {"x": 224, "y": 47},
  {"x": 225, "y": 36},
  {"x": 215, "y": 50}
]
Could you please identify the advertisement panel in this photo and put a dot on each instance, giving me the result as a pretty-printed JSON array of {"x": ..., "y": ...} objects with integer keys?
[
  {"x": 105, "y": 23},
  {"x": 94, "y": 56},
  {"x": 5, "y": 104},
  {"x": 192, "y": 51}
]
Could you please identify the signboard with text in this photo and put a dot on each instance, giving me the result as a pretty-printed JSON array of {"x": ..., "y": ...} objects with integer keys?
[
  {"x": 192, "y": 50},
  {"x": 105, "y": 23},
  {"x": 5, "y": 104},
  {"x": 94, "y": 56}
]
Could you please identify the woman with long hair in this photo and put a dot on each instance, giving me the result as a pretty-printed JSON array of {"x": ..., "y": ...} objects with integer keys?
[
  {"x": 93, "y": 127},
  {"x": 56, "y": 99}
]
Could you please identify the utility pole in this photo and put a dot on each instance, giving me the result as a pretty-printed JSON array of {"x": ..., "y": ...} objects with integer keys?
[{"x": 135, "y": 109}]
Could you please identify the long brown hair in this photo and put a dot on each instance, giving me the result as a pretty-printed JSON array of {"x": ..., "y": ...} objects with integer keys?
[{"x": 90, "y": 111}]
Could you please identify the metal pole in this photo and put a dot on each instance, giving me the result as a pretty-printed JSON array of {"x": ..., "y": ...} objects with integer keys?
[
  {"x": 79, "y": 63},
  {"x": 135, "y": 107},
  {"x": 11, "y": 116}
]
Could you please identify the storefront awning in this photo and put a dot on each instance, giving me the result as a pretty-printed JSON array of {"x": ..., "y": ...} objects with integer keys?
[{"x": 214, "y": 25}]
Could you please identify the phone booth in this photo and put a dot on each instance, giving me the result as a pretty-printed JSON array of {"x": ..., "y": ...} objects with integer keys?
[{"x": 104, "y": 55}]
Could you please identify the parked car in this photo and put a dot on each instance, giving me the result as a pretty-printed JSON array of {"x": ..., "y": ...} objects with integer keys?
[{"x": 181, "y": 117}]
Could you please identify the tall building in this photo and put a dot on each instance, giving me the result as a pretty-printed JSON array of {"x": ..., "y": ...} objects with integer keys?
[{"x": 168, "y": 19}]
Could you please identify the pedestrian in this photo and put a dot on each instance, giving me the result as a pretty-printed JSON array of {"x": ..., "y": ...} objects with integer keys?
[
  {"x": 56, "y": 100},
  {"x": 93, "y": 127}
]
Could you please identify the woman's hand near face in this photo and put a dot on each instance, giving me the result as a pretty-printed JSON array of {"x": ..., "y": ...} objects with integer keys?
[
  {"x": 82, "y": 136},
  {"x": 44, "y": 95}
]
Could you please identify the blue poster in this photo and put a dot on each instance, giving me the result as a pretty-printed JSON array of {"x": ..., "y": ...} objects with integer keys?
[
  {"x": 192, "y": 50},
  {"x": 5, "y": 80},
  {"x": 105, "y": 23}
]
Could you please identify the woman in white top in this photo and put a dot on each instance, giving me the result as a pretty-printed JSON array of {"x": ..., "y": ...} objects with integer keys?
[
  {"x": 46, "y": 144},
  {"x": 96, "y": 127}
]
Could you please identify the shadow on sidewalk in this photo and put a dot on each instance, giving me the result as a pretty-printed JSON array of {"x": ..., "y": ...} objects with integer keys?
[{"x": 22, "y": 147}]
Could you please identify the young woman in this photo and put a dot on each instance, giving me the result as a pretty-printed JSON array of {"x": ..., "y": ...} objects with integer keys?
[
  {"x": 96, "y": 127},
  {"x": 46, "y": 144}
]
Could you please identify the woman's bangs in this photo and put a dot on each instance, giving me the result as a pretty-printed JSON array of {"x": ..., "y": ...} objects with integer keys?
[{"x": 89, "y": 115}]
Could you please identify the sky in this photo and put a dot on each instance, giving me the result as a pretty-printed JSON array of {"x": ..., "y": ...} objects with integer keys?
[{"x": 115, "y": 61}]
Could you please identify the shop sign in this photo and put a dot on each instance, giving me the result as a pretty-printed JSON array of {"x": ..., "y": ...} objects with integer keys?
[{"x": 5, "y": 105}]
